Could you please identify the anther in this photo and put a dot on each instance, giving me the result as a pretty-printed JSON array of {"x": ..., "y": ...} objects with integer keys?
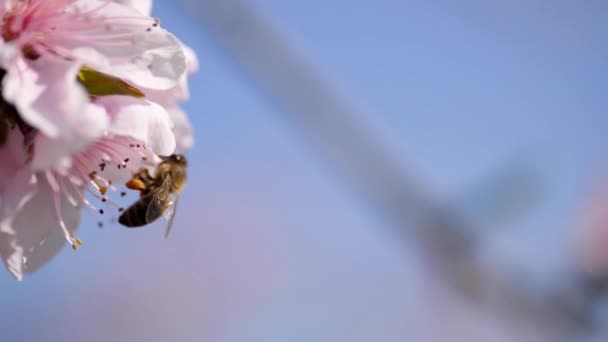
[{"x": 76, "y": 244}]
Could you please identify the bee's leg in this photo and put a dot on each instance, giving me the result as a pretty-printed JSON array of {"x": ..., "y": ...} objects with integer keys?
[
  {"x": 140, "y": 181},
  {"x": 136, "y": 183}
]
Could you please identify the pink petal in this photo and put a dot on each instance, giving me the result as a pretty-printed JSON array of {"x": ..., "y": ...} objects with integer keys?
[
  {"x": 33, "y": 237},
  {"x": 125, "y": 43},
  {"x": 48, "y": 97},
  {"x": 12, "y": 155},
  {"x": 191, "y": 59},
  {"x": 143, "y": 6},
  {"x": 88, "y": 126},
  {"x": 182, "y": 129},
  {"x": 17, "y": 182},
  {"x": 18, "y": 192},
  {"x": 182, "y": 92},
  {"x": 143, "y": 120}
]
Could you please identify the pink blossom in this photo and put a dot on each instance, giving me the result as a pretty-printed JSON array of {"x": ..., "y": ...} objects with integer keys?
[
  {"x": 171, "y": 99},
  {"x": 15, "y": 175},
  {"x": 105, "y": 35},
  {"x": 40, "y": 220},
  {"x": 143, "y": 6},
  {"x": 45, "y": 43},
  {"x": 141, "y": 119},
  {"x": 72, "y": 151},
  {"x": 34, "y": 234}
]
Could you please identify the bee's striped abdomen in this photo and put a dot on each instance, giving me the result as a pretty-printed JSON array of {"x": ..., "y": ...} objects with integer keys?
[{"x": 135, "y": 215}]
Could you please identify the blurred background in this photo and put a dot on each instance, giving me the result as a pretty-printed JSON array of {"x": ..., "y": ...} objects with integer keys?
[{"x": 363, "y": 171}]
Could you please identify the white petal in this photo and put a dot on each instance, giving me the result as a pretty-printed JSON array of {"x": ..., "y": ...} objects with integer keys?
[
  {"x": 143, "y": 6},
  {"x": 143, "y": 120},
  {"x": 33, "y": 237},
  {"x": 124, "y": 43},
  {"x": 20, "y": 86},
  {"x": 159, "y": 68},
  {"x": 191, "y": 59},
  {"x": 12, "y": 155},
  {"x": 88, "y": 126},
  {"x": 182, "y": 129},
  {"x": 22, "y": 187},
  {"x": 8, "y": 54},
  {"x": 181, "y": 91},
  {"x": 48, "y": 97}
]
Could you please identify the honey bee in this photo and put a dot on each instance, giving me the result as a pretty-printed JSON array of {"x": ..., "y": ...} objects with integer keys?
[{"x": 158, "y": 194}]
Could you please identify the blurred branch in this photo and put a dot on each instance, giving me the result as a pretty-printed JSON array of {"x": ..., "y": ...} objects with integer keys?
[{"x": 337, "y": 130}]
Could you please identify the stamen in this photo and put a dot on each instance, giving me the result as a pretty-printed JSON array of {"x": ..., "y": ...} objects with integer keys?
[
  {"x": 68, "y": 235},
  {"x": 69, "y": 196},
  {"x": 76, "y": 244},
  {"x": 52, "y": 181}
]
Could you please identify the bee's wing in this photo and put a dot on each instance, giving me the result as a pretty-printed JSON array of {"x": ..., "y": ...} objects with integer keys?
[
  {"x": 160, "y": 200},
  {"x": 171, "y": 215}
]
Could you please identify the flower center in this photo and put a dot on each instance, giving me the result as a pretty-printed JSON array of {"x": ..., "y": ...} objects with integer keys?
[
  {"x": 13, "y": 24},
  {"x": 9, "y": 27}
]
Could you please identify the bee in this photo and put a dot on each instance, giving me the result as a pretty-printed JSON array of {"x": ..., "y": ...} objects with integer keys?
[{"x": 158, "y": 194}]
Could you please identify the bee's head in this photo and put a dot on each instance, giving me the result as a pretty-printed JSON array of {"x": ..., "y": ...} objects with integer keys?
[{"x": 176, "y": 158}]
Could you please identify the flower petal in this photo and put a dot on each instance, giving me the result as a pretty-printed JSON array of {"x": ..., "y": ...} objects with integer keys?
[
  {"x": 182, "y": 129},
  {"x": 121, "y": 41},
  {"x": 182, "y": 92},
  {"x": 143, "y": 120},
  {"x": 48, "y": 97},
  {"x": 16, "y": 178},
  {"x": 53, "y": 152},
  {"x": 143, "y": 6},
  {"x": 33, "y": 236},
  {"x": 13, "y": 157}
]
